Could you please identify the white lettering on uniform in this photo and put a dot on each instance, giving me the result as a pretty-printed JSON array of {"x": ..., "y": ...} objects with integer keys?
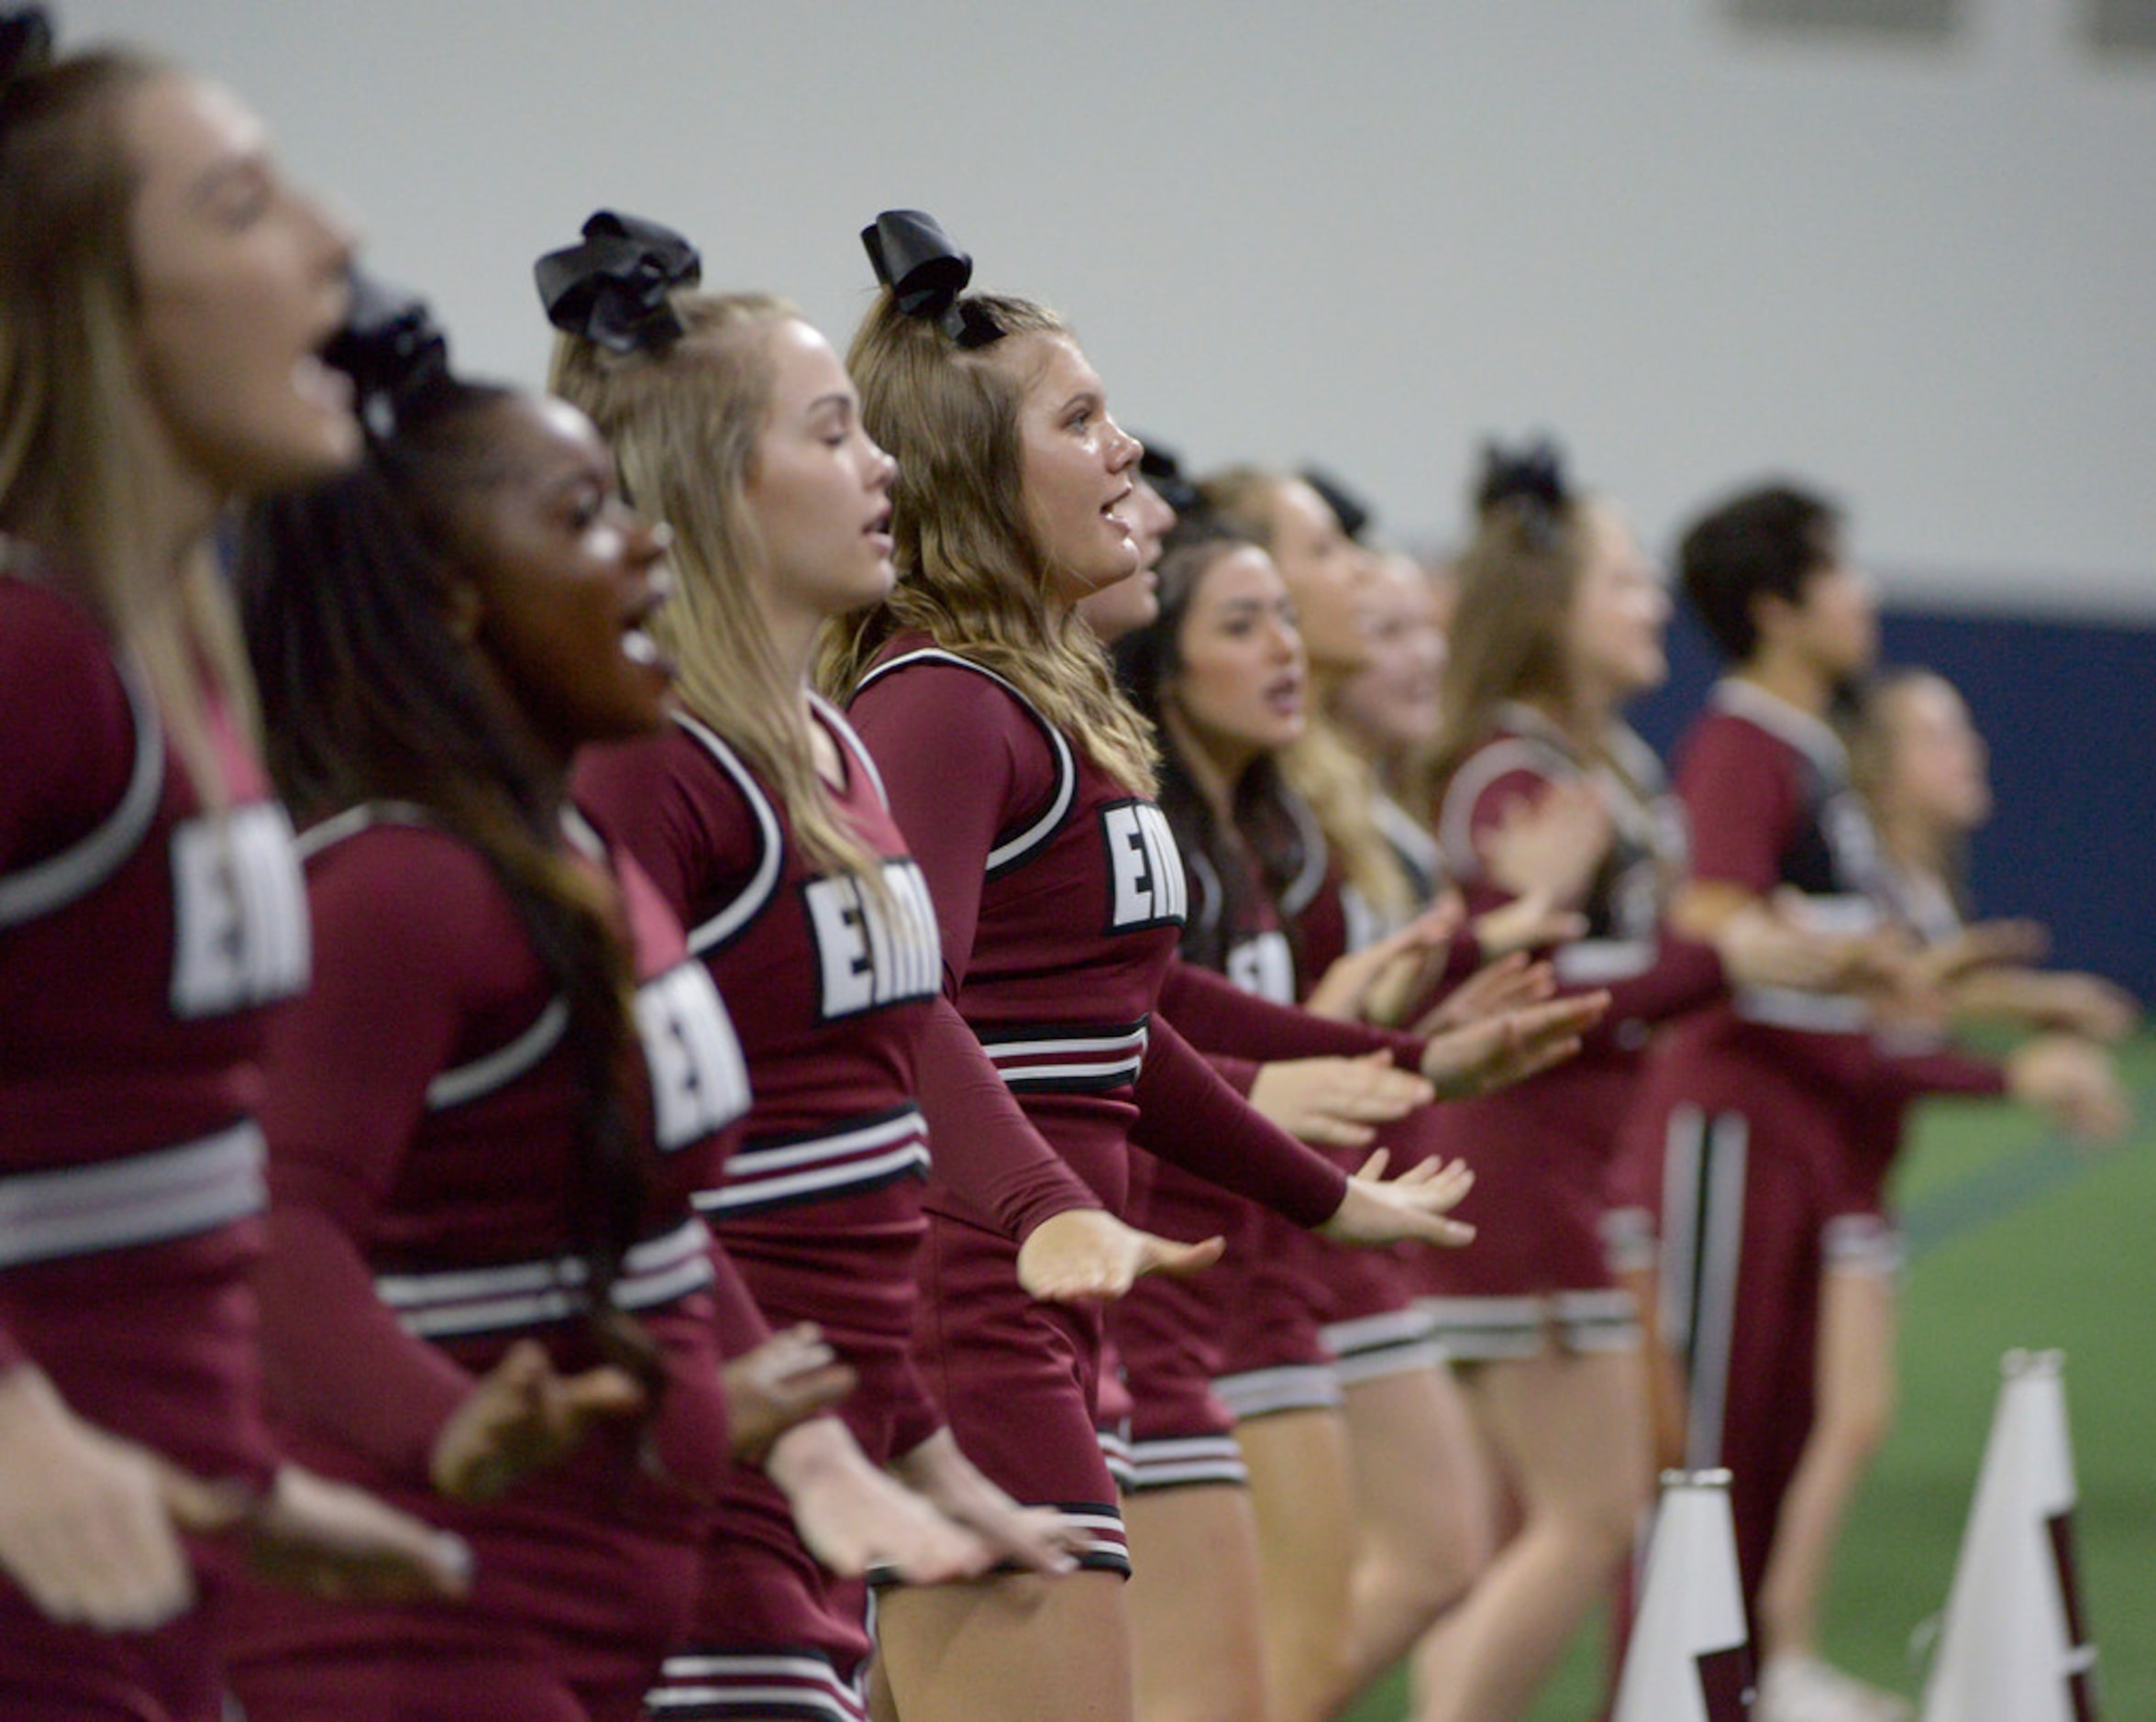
[
  {"x": 869, "y": 953},
  {"x": 699, "y": 1081},
  {"x": 1264, "y": 965},
  {"x": 1144, "y": 868},
  {"x": 239, "y": 908}
]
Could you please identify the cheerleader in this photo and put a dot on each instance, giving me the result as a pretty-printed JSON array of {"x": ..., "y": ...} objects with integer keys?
[
  {"x": 491, "y": 1294},
  {"x": 760, "y": 817},
  {"x": 1023, "y": 784},
  {"x": 164, "y": 298},
  {"x": 1919, "y": 763},
  {"x": 1559, "y": 625}
]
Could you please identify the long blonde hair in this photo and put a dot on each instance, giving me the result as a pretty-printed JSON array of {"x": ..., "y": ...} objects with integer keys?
[
  {"x": 80, "y": 452},
  {"x": 683, "y": 423},
  {"x": 970, "y": 575},
  {"x": 1334, "y": 780}
]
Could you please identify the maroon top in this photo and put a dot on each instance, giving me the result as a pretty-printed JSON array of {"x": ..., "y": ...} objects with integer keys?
[
  {"x": 421, "y": 1112},
  {"x": 1060, "y": 896},
  {"x": 1650, "y": 973},
  {"x": 140, "y": 937},
  {"x": 833, "y": 986},
  {"x": 1768, "y": 803}
]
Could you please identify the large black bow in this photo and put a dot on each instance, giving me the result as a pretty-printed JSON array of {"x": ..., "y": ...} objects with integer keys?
[
  {"x": 26, "y": 43},
  {"x": 1532, "y": 475},
  {"x": 1352, "y": 514},
  {"x": 613, "y": 289},
  {"x": 391, "y": 349},
  {"x": 926, "y": 273},
  {"x": 1164, "y": 472}
]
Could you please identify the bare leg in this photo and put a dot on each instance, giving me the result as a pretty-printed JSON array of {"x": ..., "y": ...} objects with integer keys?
[
  {"x": 1854, "y": 1410},
  {"x": 1302, "y": 1484},
  {"x": 1424, "y": 1510},
  {"x": 1572, "y": 1433},
  {"x": 1051, "y": 1649},
  {"x": 1194, "y": 1605}
]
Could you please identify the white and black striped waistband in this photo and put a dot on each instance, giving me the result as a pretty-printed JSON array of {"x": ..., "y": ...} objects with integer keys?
[
  {"x": 1078, "y": 1058},
  {"x": 1185, "y": 1461},
  {"x": 459, "y": 1302},
  {"x": 864, "y": 1154},
  {"x": 698, "y": 1685},
  {"x": 141, "y": 1199},
  {"x": 1480, "y": 1330}
]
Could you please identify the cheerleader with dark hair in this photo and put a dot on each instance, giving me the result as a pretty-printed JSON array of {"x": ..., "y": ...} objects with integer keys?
[{"x": 490, "y": 1293}]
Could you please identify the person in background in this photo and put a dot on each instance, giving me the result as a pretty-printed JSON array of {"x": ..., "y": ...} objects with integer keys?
[
  {"x": 1749, "y": 1149},
  {"x": 1919, "y": 765}
]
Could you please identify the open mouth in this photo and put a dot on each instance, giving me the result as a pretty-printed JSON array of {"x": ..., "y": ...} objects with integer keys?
[
  {"x": 638, "y": 646},
  {"x": 321, "y": 384},
  {"x": 1284, "y": 697}
]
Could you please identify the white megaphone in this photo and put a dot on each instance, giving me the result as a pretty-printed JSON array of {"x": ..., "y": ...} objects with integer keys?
[
  {"x": 1689, "y": 1658},
  {"x": 2014, "y": 1648}
]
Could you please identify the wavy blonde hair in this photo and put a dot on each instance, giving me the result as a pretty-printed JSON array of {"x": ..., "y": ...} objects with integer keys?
[
  {"x": 684, "y": 424},
  {"x": 81, "y": 451},
  {"x": 1333, "y": 780},
  {"x": 970, "y": 575}
]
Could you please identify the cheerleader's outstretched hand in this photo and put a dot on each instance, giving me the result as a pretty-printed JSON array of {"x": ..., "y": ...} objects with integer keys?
[{"x": 1377, "y": 1210}]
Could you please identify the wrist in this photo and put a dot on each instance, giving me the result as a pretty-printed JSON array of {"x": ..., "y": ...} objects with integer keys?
[{"x": 811, "y": 1453}]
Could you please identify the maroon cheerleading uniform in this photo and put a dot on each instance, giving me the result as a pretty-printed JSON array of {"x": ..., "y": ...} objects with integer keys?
[
  {"x": 1059, "y": 897},
  {"x": 1303, "y": 1315},
  {"x": 820, "y": 1209},
  {"x": 1540, "y": 1271},
  {"x": 421, "y": 1109},
  {"x": 1167, "y": 1330},
  {"x": 1738, "y": 1148},
  {"x": 140, "y": 935}
]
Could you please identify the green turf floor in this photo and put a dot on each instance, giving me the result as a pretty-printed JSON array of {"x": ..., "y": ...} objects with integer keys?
[{"x": 2018, "y": 1241}]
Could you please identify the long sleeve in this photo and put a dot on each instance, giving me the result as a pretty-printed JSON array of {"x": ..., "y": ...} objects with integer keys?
[
  {"x": 983, "y": 1145},
  {"x": 1908, "y": 1076},
  {"x": 1220, "y": 1017},
  {"x": 1187, "y": 1114},
  {"x": 1650, "y": 978}
]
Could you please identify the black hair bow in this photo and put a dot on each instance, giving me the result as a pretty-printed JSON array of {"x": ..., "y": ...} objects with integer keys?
[
  {"x": 1532, "y": 474},
  {"x": 926, "y": 273},
  {"x": 391, "y": 349},
  {"x": 1352, "y": 514},
  {"x": 613, "y": 289},
  {"x": 1164, "y": 472},
  {"x": 25, "y": 44}
]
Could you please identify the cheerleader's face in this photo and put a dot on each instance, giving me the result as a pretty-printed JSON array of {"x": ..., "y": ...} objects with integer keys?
[
  {"x": 556, "y": 578},
  {"x": 1241, "y": 673},
  {"x": 1078, "y": 466},
  {"x": 1938, "y": 769},
  {"x": 1619, "y": 613},
  {"x": 1129, "y": 605},
  {"x": 1327, "y": 573},
  {"x": 819, "y": 486},
  {"x": 1391, "y": 704},
  {"x": 240, "y": 280}
]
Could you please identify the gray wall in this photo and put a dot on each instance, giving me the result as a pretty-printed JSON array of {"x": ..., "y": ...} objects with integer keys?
[{"x": 1918, "y": 270}]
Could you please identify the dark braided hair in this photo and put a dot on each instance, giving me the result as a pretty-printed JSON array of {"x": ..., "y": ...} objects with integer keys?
[{"x": 367, "y": 696}]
